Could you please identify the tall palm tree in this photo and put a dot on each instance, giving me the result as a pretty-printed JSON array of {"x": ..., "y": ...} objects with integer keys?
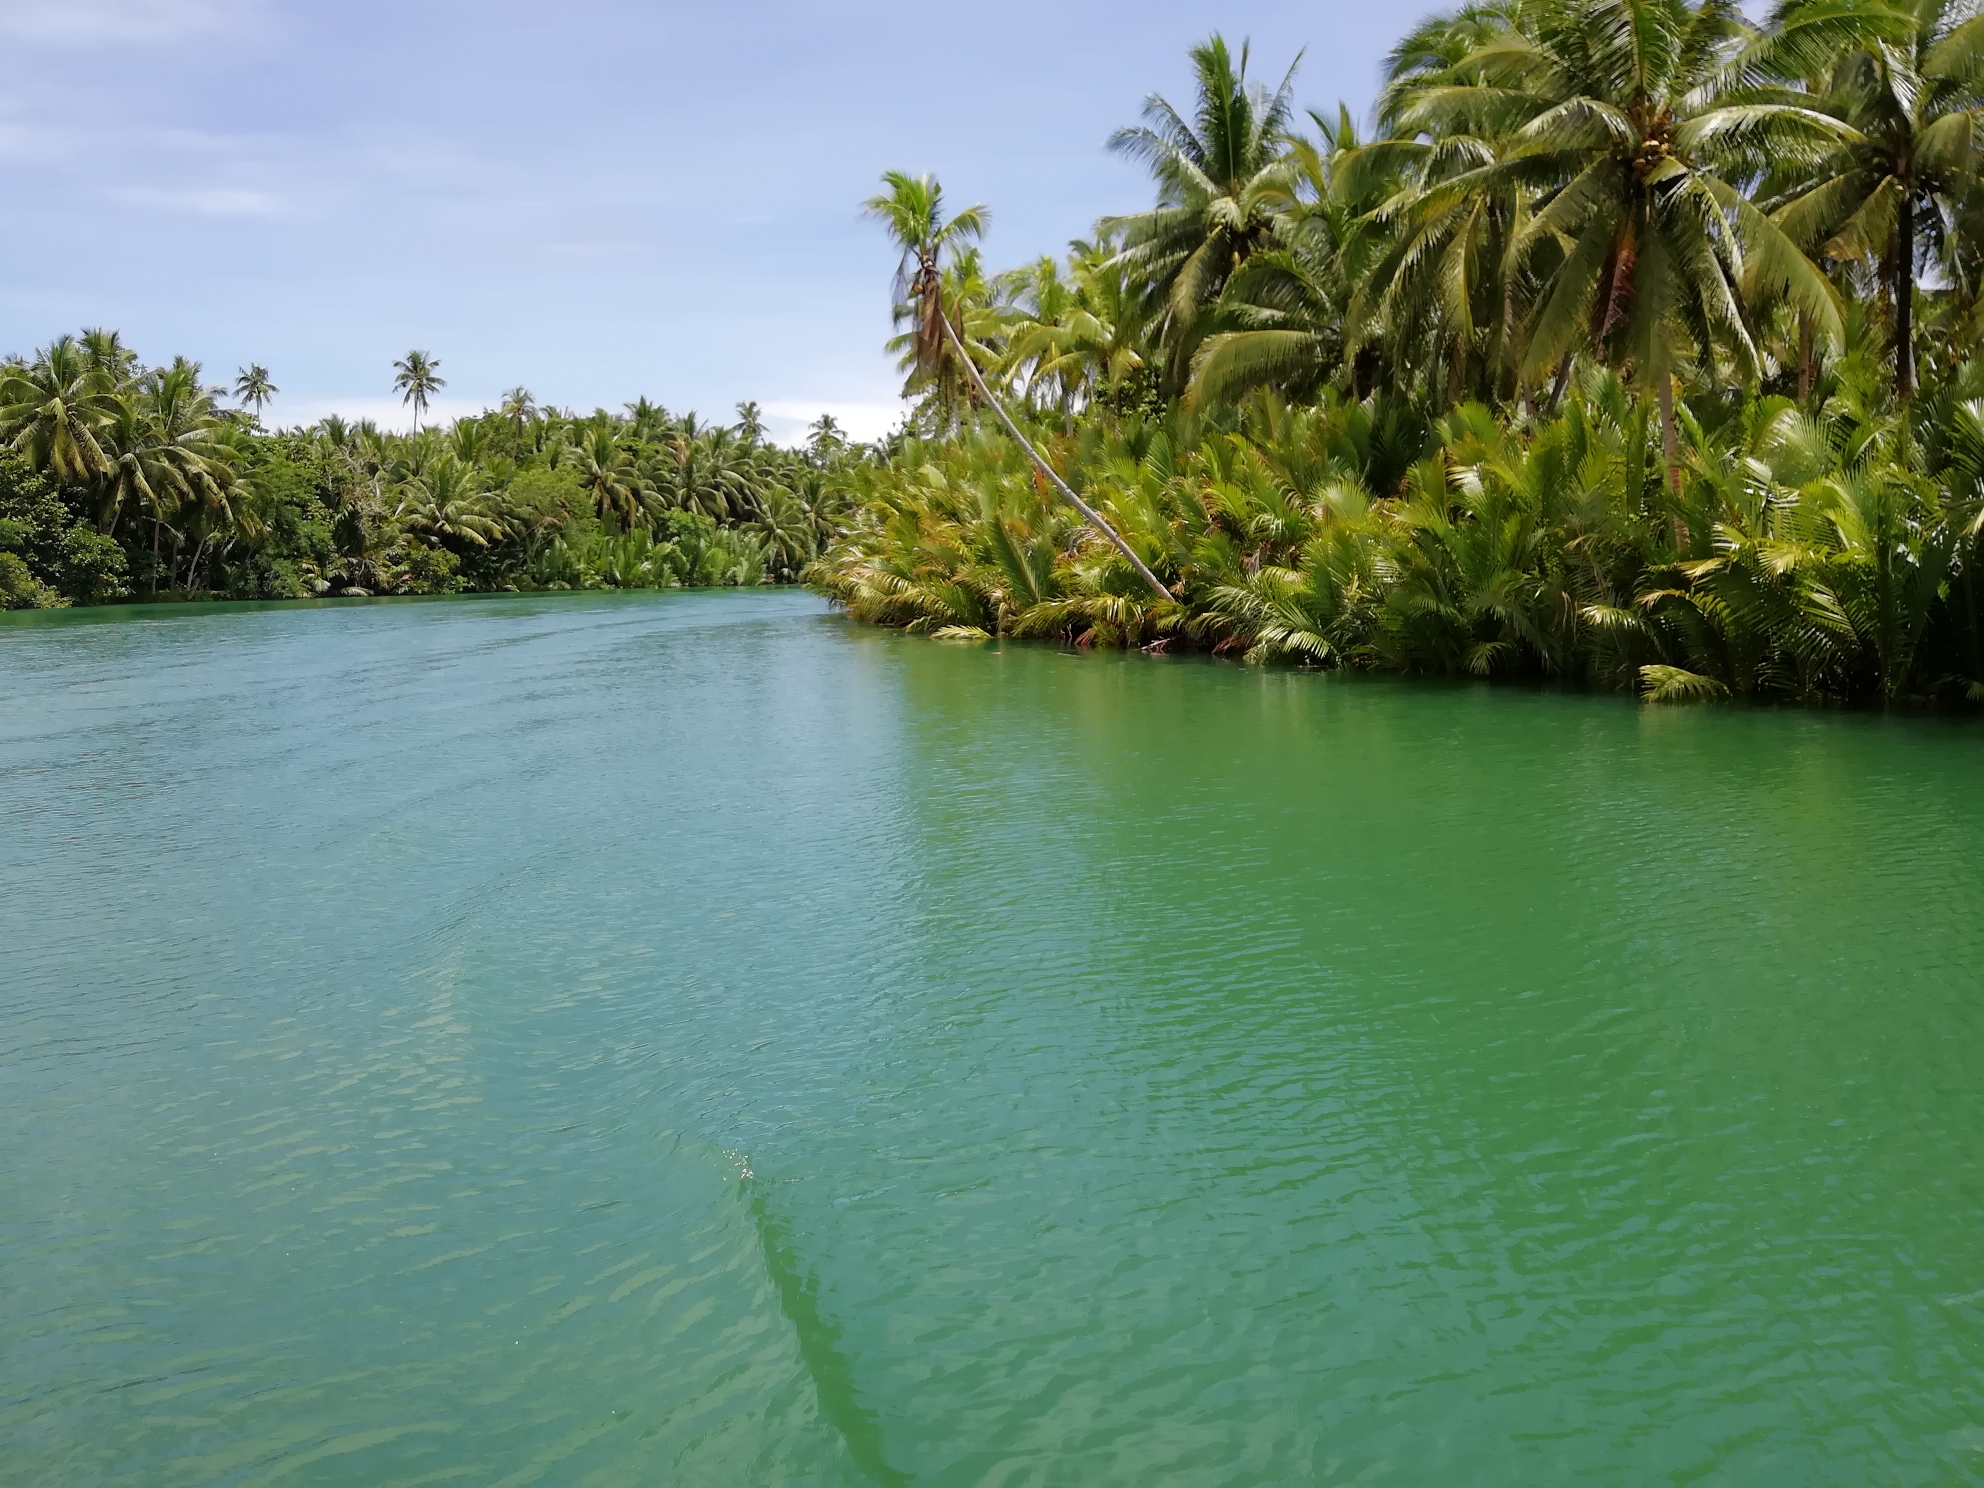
[
  {"x": 1908, "y": 77},
  {"x": 447, "y": 501},
  {"x": 1627, "y": 119},
  {"x": 1295, "y": 311},
  {"x": 609, "y": 475},
  {"x": 52, "y": 408},
  {"x": 1076, "y": 334},
  {"x": 975, "y": 308},
  {"x": 1223, "y": 180},
  {"x": 253, "y": 388},
  {"x": 646, "y": 420},
  {"x": 109, "y": 356},
  {"x": 912, "y": 210},
  {"x": 136, "y": 477},
  {"x": 170, "y": 458},
  {"x": 825, "y": 438},
  {"x": 417, "y": 377},
  {"x": 519, "y": 407}
]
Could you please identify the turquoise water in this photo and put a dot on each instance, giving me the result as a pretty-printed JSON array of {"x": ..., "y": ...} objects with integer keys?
[{"x": 695, "y": 1039}]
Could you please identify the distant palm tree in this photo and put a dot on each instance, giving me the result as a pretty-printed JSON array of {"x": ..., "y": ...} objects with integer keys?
[
  {"x": 253, "y": 388},
  {"x": 419, "y": 375},
  {"x": 913, "y": 212},
  {"x": 519, "y": 407},
  {"x": 825, "y": 436},
  {"x": 645, "y": 419},
  {"x": 608, "y": 474},
  {"x": 785, "y": 531},
  {"x": 137, "y": 476},
  {"x": 109, "y": 355},
  {"x": 51, "y": 409},
  {"x": 447, "y": 500}
]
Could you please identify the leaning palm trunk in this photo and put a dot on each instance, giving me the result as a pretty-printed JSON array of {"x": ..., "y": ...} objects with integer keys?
[
  {"x": 1089, "y": 513},
  {"x": 1904, "y": 294}
]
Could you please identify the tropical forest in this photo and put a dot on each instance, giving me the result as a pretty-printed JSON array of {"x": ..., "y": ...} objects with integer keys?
[
  {"x": 1633, "y": 346},
  {"x": 122, "y": 481}
]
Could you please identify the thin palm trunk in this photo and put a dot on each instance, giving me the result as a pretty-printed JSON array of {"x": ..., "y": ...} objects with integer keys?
[
  {"x": 1904, "y": 296},
  {"x": 1558, "y": 384},
  {"x": 1093, "y": 516},
  {"x": 1804, "y": 356},
  {"x": 1670, "y": 446},
  {"x": 1670, "y": 442}
]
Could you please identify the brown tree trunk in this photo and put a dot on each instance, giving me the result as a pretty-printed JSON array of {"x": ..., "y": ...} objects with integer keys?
[
  {"x": 1904, "y": 296},
  {"x": 1093, "y": 516},
  {"x": 1804, "y": 356},
  {"x": 1558, "y": 384},
  {"x": 1670, "y": 446}
]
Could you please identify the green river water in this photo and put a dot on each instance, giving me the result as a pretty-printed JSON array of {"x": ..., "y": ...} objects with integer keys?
[{"x": 694, "y": 1039}]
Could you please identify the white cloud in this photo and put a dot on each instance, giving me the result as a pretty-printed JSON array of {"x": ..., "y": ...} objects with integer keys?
[
  {"x": 96, "y": 22},
  {"x": 786, "y": 419},
  {"x": 205, "y": 201},
  {"x": 387, "y": 413}
]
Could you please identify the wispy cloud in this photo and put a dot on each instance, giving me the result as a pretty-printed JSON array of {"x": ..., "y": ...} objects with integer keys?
[
  {"x": 205, "y": 201},
  {"x": 787, "y": 418},
  {"x": 102, "y": 22}
]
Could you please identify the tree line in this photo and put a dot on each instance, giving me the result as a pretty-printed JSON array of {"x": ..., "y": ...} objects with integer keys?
[
  {"x": 122, "y": 481},
  {"x": 1633, "y": 344}
]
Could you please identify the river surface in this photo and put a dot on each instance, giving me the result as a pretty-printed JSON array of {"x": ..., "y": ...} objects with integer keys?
[{"x": 695, "y": 1039}]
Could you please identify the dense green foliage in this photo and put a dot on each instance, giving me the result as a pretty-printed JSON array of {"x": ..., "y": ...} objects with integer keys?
[
  {"x": 122, "y": 481},
  {"x": 1638, "y": 347}
]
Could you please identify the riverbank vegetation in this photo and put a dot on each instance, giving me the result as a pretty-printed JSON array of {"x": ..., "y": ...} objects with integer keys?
[
  {"x": 122, "y": 481},
  {"x": 1635, "y": 345}
]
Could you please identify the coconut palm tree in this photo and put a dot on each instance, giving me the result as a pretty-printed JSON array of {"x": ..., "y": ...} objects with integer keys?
[
  {"x": 447, "y": 501},
  {"x": 253, "y": 388},
  {"x": 109, "y": 356},
  {"x": 1908, "y": 77},
  {"x": 519, "y": 407},
  {"x": 1070, "y": 335},
  {"x": 1223, "y": 178},
  {"x": 785, "y": 531},
  {"x": 1296, "y": 311},
  {"x": 417, "y": 377},
  {"x": 52, "y": 408},
  {"x": 646, "y": 420},
  {"x": 136, "y": 477},
  {"x": 610, "y": 477},
  {"x": 912, "y": 210},
  {"x": 1627, "y": 119},
  {"x": 825, "y": 438}
]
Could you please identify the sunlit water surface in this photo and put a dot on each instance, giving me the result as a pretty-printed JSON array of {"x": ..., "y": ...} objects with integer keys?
[{"x": 694, "y": 1039}]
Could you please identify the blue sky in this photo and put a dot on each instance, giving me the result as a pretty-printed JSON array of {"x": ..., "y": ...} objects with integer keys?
[{"x": 598, "y": 199}]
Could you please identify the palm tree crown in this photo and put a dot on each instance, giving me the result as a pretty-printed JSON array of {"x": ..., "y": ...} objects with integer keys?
[
  {"x": 1222, "y": 178},
  {"x": 253, "y": 388},
  {"x": 912, "y": 210},
  {"x": 417, "y": 376}
]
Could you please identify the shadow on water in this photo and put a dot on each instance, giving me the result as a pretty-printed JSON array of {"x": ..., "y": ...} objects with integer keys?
[{"x": 830, "y": 1369}]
